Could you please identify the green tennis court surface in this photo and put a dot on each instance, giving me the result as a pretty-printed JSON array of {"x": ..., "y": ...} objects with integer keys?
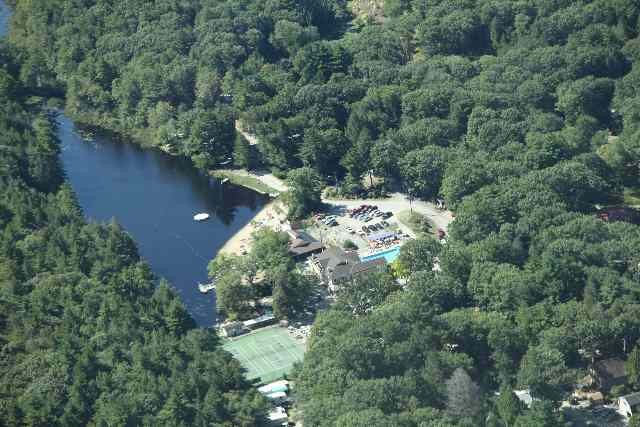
[{"x": 267, "y": 354}]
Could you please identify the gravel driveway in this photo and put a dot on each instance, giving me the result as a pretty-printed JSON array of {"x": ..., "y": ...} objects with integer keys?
[{"x": 396, "y": 203}]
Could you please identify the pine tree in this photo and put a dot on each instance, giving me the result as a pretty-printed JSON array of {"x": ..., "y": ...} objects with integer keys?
[
  {"x": 508, "y": 406},
  {"x": 463, "y": 395},
  {"x": 242, "y": 157},
  {"x": 632, "y": 366}
]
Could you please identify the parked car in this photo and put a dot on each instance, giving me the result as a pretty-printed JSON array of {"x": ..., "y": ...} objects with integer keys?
[
  {"x": 365, "y": 228},
  {"x": 329, "y": 219},
  {"x": 377, "y": 213},
  {"x": 387, "y": 215},
  {"x": 349, "y": 229},
  {"x": 441, "y": 234},
  {"x": 367, "y": 218},
  {"x": 384, "y": 223}
]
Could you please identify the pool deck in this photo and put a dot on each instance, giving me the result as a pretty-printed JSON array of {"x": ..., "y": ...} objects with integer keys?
[{"x": 381, "y": 254}]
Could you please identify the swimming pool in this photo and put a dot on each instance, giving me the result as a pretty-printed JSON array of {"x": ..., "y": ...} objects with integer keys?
[{"x": 389, "y": 255}]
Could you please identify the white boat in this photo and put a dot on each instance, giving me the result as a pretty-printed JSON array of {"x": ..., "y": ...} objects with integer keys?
[
  {"x": 206, "y": 287},
  {"x": 224, "y": 181},
  {"x": 201, "y": 217}
]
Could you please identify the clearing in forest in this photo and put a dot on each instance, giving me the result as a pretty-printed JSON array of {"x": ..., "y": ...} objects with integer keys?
[{"x": 267, "y": 354}]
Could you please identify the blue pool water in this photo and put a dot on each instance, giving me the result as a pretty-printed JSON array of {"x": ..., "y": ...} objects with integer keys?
[{"x": 389, "y": 255}]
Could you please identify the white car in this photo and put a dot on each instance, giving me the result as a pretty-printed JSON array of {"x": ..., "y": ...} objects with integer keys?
[
  {"x": 329, "y": 219},
  {"x": 349, "y": 229}
]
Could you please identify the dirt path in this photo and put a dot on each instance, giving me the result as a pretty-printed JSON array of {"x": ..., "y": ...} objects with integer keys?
[
  {"x": 266, "y": 178},
  {"x": 396, "y": 202},
  {"x": 253, "y": 140}
]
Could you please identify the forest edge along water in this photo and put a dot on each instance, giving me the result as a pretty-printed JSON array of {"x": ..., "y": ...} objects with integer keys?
[{"x": 154, "y": 196}]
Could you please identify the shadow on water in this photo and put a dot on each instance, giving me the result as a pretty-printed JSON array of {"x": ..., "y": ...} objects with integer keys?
[{"x": 154, "y": 196}]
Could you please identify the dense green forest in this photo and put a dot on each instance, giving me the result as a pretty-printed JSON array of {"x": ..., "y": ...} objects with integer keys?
[
  {"x": 87, "y": 337},
  {"x": 524, "y": 115}
]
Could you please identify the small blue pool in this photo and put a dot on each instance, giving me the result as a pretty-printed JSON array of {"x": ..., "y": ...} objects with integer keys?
[{"x": 389, "y": 255}]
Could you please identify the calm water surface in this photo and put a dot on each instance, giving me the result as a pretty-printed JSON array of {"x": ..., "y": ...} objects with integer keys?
[
  {"x": 5, "y": 13},
  {"x": 154, "y": 196}
]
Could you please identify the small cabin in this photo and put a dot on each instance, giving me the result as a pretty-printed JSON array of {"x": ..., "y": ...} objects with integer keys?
[
  {"x": 231, "y": 329},
  {"x": 608, "y": 373}
]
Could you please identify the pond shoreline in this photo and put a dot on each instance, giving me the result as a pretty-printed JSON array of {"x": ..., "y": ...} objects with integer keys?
[{"x": 154, "y": 196}]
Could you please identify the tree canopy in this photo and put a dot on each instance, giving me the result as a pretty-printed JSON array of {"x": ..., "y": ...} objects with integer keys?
[
  {"x": 524, "y": 116},
  {"x": 88, "y": 335}
]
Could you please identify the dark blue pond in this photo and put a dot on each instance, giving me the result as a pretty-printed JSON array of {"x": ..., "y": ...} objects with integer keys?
[{"x": 154, "y": 196}]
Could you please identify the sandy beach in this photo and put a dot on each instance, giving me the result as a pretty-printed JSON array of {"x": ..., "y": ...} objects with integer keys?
[{"x": 272, "y": 215}]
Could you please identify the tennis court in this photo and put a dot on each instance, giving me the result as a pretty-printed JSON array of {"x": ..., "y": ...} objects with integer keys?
[{"x": 267, "y": 354}]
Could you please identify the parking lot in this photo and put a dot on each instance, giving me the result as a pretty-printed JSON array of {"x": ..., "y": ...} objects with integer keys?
[{"x": 359, "y": 225}]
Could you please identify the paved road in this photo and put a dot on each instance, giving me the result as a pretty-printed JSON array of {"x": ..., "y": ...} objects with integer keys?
[
  {"x": 398, "y": 202},
  {"x": 265, "y": 177}
]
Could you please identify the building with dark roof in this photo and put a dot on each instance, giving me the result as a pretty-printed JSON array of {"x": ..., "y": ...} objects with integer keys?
[
  {"x": 302, "y": 245},
  {"x": 608, "y": 373},
  {"x": 619, "y": 213},
  {"x": 335, "y": 266}
]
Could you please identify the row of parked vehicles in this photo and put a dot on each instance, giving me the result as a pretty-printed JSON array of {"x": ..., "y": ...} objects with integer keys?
[
  {"x": 329, "y": 220},
  {"x": 375, "y": 227},
  {"x": 366, "y": 213},
  {"x": 368, "y": 228}
]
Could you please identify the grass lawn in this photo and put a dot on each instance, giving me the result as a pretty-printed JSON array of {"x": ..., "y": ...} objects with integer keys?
[
  {"x": 245, "y": 181},
  {"x": 417, "y": 222},
  {"x": 267, "y": 354},
  {"x": 631, "y": 196}
]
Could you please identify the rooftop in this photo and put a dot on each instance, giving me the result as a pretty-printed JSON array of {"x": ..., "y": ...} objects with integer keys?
[
  {"x": 346, "y": 271},
  {"x": 303, "y": 244},
  {"x": 333, "y": 256},
  {"x": 632, "y": 399},
  {"x": 612, "y": 368}
]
